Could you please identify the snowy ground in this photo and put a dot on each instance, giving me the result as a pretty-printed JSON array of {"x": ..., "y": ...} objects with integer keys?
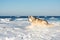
[{"x": 15, "y": 30}]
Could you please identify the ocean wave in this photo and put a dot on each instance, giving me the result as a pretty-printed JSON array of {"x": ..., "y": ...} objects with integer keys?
[{"x": 13, "y": 30}]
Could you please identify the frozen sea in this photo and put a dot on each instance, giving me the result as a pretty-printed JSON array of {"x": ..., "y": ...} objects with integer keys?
[{"x": 15, "y": 29}]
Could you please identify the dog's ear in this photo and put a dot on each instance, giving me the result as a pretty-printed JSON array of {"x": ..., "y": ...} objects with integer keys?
[{"x": 31, "y": 18}]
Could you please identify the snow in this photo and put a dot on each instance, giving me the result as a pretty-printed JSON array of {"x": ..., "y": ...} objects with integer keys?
[{"x": 15, "y": 30}]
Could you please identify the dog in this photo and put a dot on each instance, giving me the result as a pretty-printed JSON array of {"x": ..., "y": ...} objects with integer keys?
[{"x": 38, "y": 22}]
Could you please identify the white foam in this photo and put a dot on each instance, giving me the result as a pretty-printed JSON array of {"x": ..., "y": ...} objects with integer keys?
[
  {"x": 6, "y": 20},
  {"x": 11, "y": 31}
]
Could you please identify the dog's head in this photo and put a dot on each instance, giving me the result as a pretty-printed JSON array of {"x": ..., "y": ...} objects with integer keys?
[{"x": 31, "y": 18}]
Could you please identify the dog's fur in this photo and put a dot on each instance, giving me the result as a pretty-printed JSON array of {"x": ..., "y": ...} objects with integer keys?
[{"x": 39, "y": 22}]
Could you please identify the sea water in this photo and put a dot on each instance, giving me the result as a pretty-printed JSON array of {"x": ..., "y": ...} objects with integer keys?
[{"x": 14, "y": 28}]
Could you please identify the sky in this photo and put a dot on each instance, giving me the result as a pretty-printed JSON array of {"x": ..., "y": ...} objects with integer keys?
[{"x": 29, "y": 7}]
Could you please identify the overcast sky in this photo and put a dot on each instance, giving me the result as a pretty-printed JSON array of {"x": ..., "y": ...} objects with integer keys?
[{"x": 29, "y": 7}]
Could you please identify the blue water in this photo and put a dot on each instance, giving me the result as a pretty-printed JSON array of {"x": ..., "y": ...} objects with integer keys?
[
  {"x": 45, "y": 17},
  {"x": 27, "y": 16}
]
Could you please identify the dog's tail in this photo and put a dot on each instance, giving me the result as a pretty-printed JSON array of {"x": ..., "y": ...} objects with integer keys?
[{"x": 51, "y": 25}]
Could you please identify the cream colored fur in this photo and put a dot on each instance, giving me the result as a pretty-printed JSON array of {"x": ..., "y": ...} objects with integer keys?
[{"x": 38, "y": 22}]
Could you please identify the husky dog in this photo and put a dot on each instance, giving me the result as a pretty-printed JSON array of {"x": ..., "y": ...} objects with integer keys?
[{"x": 39, "y": 22}]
